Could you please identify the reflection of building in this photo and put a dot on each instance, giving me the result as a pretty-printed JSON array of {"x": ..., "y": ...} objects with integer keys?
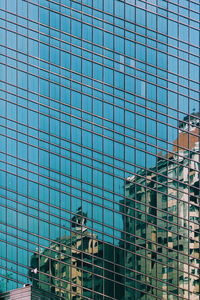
[
  {"x": 163, "y": 223},
  {"x": 28, "y": 293},
  {"x": 88, "y": 91},
  {"x": 72, "y": 266}
]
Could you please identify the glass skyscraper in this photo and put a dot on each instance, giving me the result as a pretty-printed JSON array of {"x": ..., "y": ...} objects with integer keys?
[{"x": 99, "y": 148}]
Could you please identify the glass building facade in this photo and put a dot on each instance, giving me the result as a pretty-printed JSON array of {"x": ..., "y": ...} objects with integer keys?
[{"x": 99, "y": 148}]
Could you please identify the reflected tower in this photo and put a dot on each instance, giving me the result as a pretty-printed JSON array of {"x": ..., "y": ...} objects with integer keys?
[{"x": 162, "y": 205}]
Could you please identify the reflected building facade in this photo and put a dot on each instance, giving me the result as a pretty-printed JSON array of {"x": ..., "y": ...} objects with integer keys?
[
  {"x": 162, "y": 221},
  {"x": 78, "y": 266},
  {"x": 99, "y": 148}
]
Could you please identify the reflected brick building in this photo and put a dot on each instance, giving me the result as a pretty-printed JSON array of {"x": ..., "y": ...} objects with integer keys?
[{"x": 163, "y": 222}]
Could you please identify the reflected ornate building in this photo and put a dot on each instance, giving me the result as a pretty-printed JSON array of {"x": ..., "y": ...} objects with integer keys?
[
  {"x": 73, "y": 266},
  {"x": 162, "y": 222}
]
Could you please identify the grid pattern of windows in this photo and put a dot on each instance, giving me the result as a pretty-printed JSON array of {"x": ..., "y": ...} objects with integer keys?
[{"x": 99, "y": 148}]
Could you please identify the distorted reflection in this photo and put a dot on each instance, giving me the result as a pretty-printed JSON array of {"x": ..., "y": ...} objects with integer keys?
[
  {"x": 162, "y": 222},
  {"x": 158, "y": 254},
  {"x": 78, "y": 265}
]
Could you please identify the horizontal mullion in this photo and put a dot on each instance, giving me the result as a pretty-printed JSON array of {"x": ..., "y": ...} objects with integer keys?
[
  {"x": 124, "y": 205},
  {"x": 114, "y": 264},
  {"x": 111, "y": 130},
  {"x": 158, "y": 148},
  {"x": 115, "y": 25},
  {"x": 123, "y": 249},
  {"x": 61, "y": 85},
  {"x": 98, "y": 54},
  {"x": 131, "y": 4},
  {"x": 88, "y": 77},
  {"x": 125, "y": 179},
  {"x": 100, "y": 258},
  {"x": 75, "y": 284},
  {"x": 94, "y": 115},
  {"x": 153, "y": 216},
  {"x": 103, "y": 101},
  {"x": 91, "y": 78},
  {"x": 121, "y": 240},
  {"x": 116, "y": 176},
  {"x": 160, "y": 7},
  {"x": 102, "y": 82},
  {"x": 103, "y": 224},
  {"x": 41, "y": 281},
  {"x": 102, "y": 268},
  {"x": 57, "y": 30},
  {"x": 168, "y": 223}
]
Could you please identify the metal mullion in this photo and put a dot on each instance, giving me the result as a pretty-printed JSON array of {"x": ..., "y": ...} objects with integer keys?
[
  {"x": 149, "y": 187},
  {"x": 136, "y": 130},
  {"x": 112, "y": 227},
  {"x": 151, "y": 118},
  {"x": 118, "y": 248},
  {"x": 105, "y": 21},
  {"x": 95, "y": 88},
  {"x": 141, "y": 176},
  {"x": 120, "y": 266},
  {"x": 90, "y": 255},
  {"x": 119, "y": 168},
  {"x": 139, "y": 184},
  {"x": 166, "y": 159},
  {"x": 90, "y": 290},
  {"x": 101, "y": 55},
  {"x": 176, "y": 4},
  {"x": 17, "y": 148},
  {"x": 70, "y": 130},
  {"x": 115, "y": 105},
  {"x": 168, "y": 213},
  {"x": 6, "y": 168},
  {"x": 52, "y": 28},
  {"x": 166, "y": 9},
  {"x": 83, "y": 297},
  {"x": 98, "y": 222},
  {"x": 162, "y": 184},
  {"x": 39, "y": 280},
  {"x": 134, "y": 253}
]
